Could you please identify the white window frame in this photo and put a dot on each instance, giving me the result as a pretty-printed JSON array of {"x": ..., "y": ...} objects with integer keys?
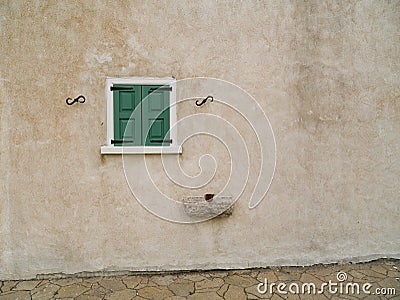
[{"x": 173, "y": 148}]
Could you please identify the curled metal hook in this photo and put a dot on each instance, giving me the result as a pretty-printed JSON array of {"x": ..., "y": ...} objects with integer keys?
[
  {"x": 211, "y": 98},
  {"x": 80, "y": 99}
]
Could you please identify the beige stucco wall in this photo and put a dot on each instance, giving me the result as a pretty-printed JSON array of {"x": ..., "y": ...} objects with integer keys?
[{"x": 326, "y": 74}]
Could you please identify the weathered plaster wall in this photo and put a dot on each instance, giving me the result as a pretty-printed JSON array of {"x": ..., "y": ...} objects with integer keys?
[{"x": 325, "y": 72}]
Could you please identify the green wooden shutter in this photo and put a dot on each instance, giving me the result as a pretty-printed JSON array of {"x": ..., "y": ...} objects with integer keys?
[
  {"x": 155, "y": 115},
  {"x": 127, "y": 125}
]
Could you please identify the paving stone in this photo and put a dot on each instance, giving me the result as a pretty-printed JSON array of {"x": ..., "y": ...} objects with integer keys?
[
  {"x": 297, "y": 275},
  {"x": 285, "y": 276},
  {"x": 235, "y": 293},
  {"x": 213, "y": 284},
  {"x": 380, "y": 269},
  {"x": 66, "y": 281},
  {"x": 254, "y": 273},
  {"x": 308, "y": 278},
  {"x": 8, "y": 285},
  {"x": 143, "y": 285},
  {"x": 347, "y": 297},
  {"x": 132, "y": 281},
  {"x": 176, "y": 298},
  {"x": 145, "y": 282},
  {"x": 163, "y": 279},
  {"x": 88, "y": 297},
  {"x": 205, "y": 296},
  {"x": 45, "y": 291},
  {"x": 43, "y": 282},
  {"x": 112, "y": 284},
  {"x": 253, "y": 290},
  {"x": 394, "y": 274},
  {"x": 145, "y": 279},
  {"x": 316, "y": 297},
  {"x": 97, "y": 291},
  {"x": 322, "y": 271},
  {"x": 276, "y": 297},
  {"x": 26, "y": 285},
  {"x": 155, "y": 293},
  {"x": 122, "y": 295},
  {"x": 295, "y": 297},
  {"x": 222, "y": 290},
  {"x": 389, "y": 283},
  {"x": 242, "y": 280},
  {"x": 371, "y": 273},
  {"x": 241, "y": 272},
  {"x": 356, "y": 274},
  {"x": 192, "y": 276},
  {"x": 270, "y": 275},
  {"x": 86, "y": 284},
  {"x": 17, "y": 295},
  {"x": 252, "y": 297},
  {"x": 295, "y": 272},
  {"x": 182, "y": 287},
  {"x": 73, "y": 290},
  {"x": 219, "y": 274},
  {"x": 372, "y": 297},
  {"x": 92, "y": 279}
]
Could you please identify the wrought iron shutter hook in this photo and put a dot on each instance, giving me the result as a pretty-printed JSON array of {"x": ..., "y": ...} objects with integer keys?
[
  {"x": 204, "y": 100},
  {"x": 80, "y": 99}
]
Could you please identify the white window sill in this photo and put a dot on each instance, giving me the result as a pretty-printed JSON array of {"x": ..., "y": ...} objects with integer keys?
[{"x": 141, "y": 150}]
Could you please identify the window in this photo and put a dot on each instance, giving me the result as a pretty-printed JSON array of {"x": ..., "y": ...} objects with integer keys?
[{"x": 141, "y": 113}]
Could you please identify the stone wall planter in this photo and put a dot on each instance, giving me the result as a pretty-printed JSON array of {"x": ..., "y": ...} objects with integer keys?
[{"x": 197, "y": 206}]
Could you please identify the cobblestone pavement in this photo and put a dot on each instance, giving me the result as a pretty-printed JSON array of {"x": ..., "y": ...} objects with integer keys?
[{"x": 382, "y": 275}]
